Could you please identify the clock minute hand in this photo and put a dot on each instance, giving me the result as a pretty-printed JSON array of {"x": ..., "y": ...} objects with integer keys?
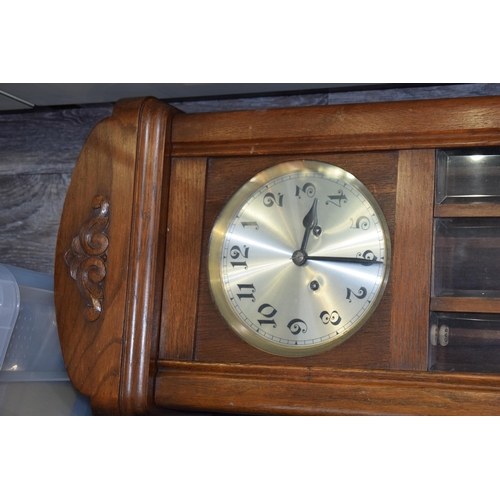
[{"x": 354, "y": 260}]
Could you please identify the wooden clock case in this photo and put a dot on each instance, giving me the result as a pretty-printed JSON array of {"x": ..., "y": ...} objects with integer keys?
[{"x": 139, "y": 331}]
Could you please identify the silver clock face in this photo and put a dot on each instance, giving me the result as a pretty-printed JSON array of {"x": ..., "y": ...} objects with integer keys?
[{"x": 299, "y": 258}]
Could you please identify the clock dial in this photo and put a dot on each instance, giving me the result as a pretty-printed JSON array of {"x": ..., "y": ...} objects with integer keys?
[{"x": 299, "y": 258}]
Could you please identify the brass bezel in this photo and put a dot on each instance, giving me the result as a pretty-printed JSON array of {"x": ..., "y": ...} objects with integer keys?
[{"x": 218, "y": 234}]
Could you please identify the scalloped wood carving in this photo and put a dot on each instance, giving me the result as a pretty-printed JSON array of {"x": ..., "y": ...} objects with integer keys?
[{"x": 86, "y": 258}]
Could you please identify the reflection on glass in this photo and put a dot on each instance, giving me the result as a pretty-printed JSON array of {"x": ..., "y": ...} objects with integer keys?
[
  {"x": 466, "y": 257},
  {"x": 472, "y": 343},
  {"x": 468, "y": 176}
]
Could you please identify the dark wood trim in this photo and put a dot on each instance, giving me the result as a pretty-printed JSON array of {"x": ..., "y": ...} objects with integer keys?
[
  {"x": 465, "y": 304},
  {"x": 254, "y": 389},
  {"x": 412, "y": 257},
  {"x": 467, "y": 210}
]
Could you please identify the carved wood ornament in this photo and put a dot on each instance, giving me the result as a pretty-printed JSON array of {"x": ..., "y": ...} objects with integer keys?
[{"x": 86, "y": 259}]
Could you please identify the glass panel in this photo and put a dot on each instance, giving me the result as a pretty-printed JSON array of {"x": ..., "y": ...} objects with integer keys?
[
  {"x": 467, "y": 257},
  {"x": 468, "y": 176},
  {"x": 465, "y": 343}
]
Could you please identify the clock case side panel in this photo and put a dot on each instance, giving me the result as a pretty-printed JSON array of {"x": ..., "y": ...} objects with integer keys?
[
  {"x": 367, "y": 348},
  {"x": 111, "y": 356}
]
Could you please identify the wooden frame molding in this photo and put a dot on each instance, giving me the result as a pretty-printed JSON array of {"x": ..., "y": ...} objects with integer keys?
[
  {"x": 254, "y": 389},
  {"x": 353, "y": 127},
  {"x": 146, "y": 254}
]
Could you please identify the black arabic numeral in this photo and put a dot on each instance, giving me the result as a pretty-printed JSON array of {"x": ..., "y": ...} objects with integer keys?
[
  {"x": 269, "y": 200},
  {"x": 236, "y": 253},
  {"x": 369, "y": 256},
  {"x": 338, "y": 198},
  {"x": 324, "y": 317},
  {"x": 308, "y": 188},
  {"x": 268, "y": 311},
  {"x": 362, "y": 293},
  {"x": 297, "y": 326},
  {"x": 333, "y": 318},
  {"x": 362, "y": 222},
  {"x": 253, "y": 224},
  {"x": 249, "y": 295}
]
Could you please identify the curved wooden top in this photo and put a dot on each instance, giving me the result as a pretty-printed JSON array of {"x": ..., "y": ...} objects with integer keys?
[{"x": 106, "y": 293}]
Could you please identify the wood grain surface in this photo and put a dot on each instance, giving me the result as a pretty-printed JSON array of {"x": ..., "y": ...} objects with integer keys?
[
  {"x": 110, "y": 359},
  {"x": 278, "y": 390},
  {"x": 183, "y": 254},
  {"x": 467, "y": 210},
  {"x": 353, "y": 127},
  {"x": 46, "y": 141},
  {"x": 93, "y": 351},
  {"x": 465, "y": 304},
  {"x": 30, "y": 210},
  {"x": 412, "y": 260},
  {"x": 150, "y": 176},
  {"x": 38, "y": 151}
]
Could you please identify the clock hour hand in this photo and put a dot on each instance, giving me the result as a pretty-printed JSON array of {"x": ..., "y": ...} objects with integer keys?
[
  {"x": 309, "y": 222},
  {"x": 299, "y": 257},
  {"x": 353, "y": 260}
]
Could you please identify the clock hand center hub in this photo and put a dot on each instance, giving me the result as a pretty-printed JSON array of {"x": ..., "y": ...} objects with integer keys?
[{"x": 299, "y": 257}]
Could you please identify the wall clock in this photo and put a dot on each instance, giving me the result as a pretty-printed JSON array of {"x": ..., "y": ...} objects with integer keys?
[
  {"x": 299, "y": 258},
  {"x": 292, "y": 261}
]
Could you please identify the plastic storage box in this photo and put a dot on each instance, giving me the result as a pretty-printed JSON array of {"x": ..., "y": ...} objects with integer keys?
[
  {"x": 33, "y": 378},
  {"x": 9, "y": 308}
]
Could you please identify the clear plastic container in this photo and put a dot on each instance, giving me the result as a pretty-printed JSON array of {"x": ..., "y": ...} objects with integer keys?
[
  {"x": 34, "y": 352},
  {"x": 33, "y": 378},
  {"x": 9, "y": 308}
]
